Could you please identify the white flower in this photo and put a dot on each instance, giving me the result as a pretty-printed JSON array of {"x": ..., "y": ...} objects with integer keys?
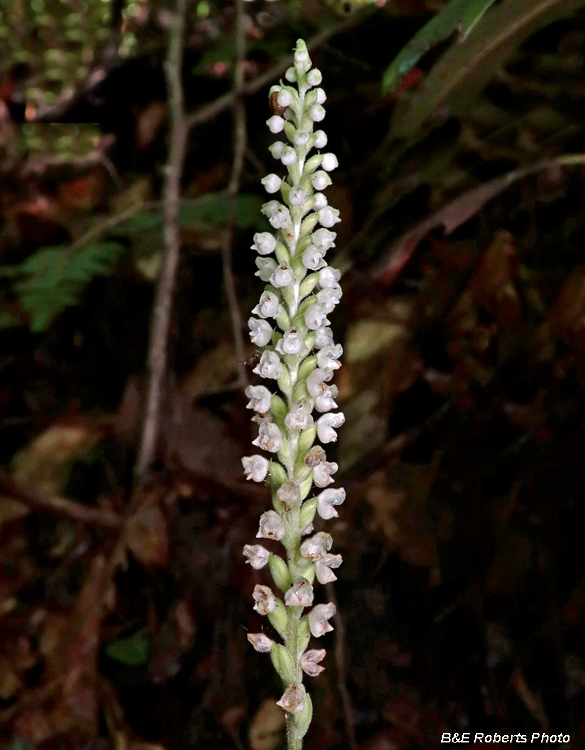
[
  {"x": 324, "y": 337},
  {"x": 293, "y": 698},
  {"x": 320, "y": 180},
  {"x": 275, "y": 124},
  {"x": 272, "y": 183},
  {"x": 328, "y": 217},
  {"x": 276, "y": 88},
  {"x": 323, "y": 238},
  {"x": 327, "y": 499},
  {"x": 263, "y": 643},
  {"x": 329, "y": 277},
  {"x": 289, "y": 493},
  {"x": 255, "y": 467},
  {"x": 297, "y": 196},
  {"x": 315, "y": 381},
  {"x": 300, "y": 139},
  {"x": 316, "y": 113},
  {"x": 301, "y": 56},
  {"x": 282, "y": 275},
  {"x": 276, "y": 149},
  {"x": 260, "y": 398},
  {"x": 260, "y": 331},
  {"x": 291, "y": 75},
  {"x": 291, "y": 343},
  {"x": 310, "y": 659},
  {"x": 289, "y": 156},
  {"x": 271, "y": 526},
  {"x": 323, "y": 568},
  {"x": 320, "y": 201},
  {"x": 326, "y": 426},
  {"x": 299, "y": 416},
  {"x": 314, "y": 77},
  {"x": 269, "y": 366},
  {"x": 322, "y": 473},
  {"x": 313, "y": 257},
  {"x": 325, "y": 402},
  {"x": 264, "y": 242},
  {"x": 257, "y": 555},
  {"x": 329, "y": 297},
  {"x": 318, "y": 617},
  {"x": 300, "y": 594},
  {"x": 268, "y": 306},
  {"x": 327, "y": 357},
  {"x": 329, "y": 162},
  {"x": 321, "y": 96},
  {"x": 269, "y": 437},
  {"x": 281, "y": 218},
  {"x": 265, "y": 600},
  {"x": 269, "y": 209},
  {"x": 266, "y": 267},
  {"x": 284, "y": 98},
  {"x": 317, "y": 546},
  {"x": 315, "y": 317},
  {"x": 320, "y": 139},
  {"x": 307, "y": 530}
]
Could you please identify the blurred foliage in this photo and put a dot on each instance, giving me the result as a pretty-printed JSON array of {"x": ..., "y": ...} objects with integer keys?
[{"x": 463, "y": 323}]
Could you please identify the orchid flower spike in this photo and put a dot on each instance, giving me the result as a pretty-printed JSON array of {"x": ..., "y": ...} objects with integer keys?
[{"x": 298, "y": 358}]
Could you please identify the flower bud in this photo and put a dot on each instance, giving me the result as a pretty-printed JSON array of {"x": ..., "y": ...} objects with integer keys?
[
  {"x": 291, "y": 75},
  {"x": 275, "y": 124},
  {"x": 282, "y": 276},
  {"x": 289, "y": 493},
  {"x": 320, "y": 180},
  {"x": 277, "y": 148},
  {"x": 264, "y": 243},
  {"x": 329, "y": 162},
  {"x": 289, "y": 156},
  {"x": 320, "y": 139},
  {"x": 271, "y": 183},
  {"x": 328, "y": 217},
  {"x": 317, "y": 113},
  {"x": 314, "y": 77},
  {"x": 284, "y": 98}
]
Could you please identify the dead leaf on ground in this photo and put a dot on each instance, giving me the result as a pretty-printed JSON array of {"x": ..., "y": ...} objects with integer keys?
[{"x": 267, "y": 726}]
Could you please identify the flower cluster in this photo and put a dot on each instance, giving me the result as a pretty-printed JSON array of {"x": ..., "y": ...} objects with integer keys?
[{"x": 291, "y": 327}]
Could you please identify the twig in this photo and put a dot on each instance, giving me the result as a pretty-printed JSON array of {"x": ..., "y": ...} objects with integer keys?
[
  {"x": 239, "y": 148},
  {"x": 208, "y": 111},
  {"x": 348, "y": 715},
  {"x": 110, "y": 223},
  {"x": 60, "y": 506},
  {"x": 158, "y": 345}
]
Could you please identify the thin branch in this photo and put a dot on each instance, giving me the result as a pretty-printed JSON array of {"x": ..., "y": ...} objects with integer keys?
[
  {"x": 60, "y": 506},
  {"x": 239, "y": 148},
  {"x": 208, "y": 111},
  {"x": 340, "y": 661},
  {"x": 158, "y": 346},
  {"x": 98, "y": 230}
]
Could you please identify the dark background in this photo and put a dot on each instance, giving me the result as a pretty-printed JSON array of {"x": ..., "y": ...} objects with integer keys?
[{"x": 463, "y": 586}]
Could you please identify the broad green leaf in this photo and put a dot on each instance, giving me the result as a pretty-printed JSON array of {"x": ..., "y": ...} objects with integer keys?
[
  {"x": 458, "y": 14},
  {"x": 133, "y": 651},
  {"x": 462, "y": 73}
]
